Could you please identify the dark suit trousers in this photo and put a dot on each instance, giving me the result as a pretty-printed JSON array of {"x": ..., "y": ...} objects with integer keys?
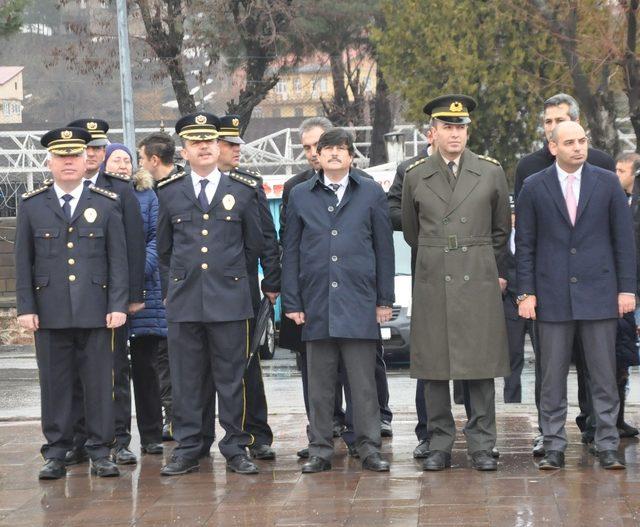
[
  {"x": 421, "y": 412},
  {"x": 480, "y": 429},
  {"x": 516, "y": 331},
  {"x": 222, "y": 347},
  {"x": 121, "y": 394},
  {"x": 164, "y": 377},
  {"x": 65, "y": 355},
  {"x": 146, "y": 387},
  {"x": 598, "y": 342},
  {"x": 359, "y": 360}
]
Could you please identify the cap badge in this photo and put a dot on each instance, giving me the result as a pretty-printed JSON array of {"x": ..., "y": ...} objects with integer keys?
[
  {"x": 66, "y": 134},
  {"x": 92, "y": 125},
  {"x": 455, "y": 107},
  {"x": 235, "y": 122},
  {"x": 228, "y": 202},
  {"x": 90, "y": 215},
  {"x": 201, "y": 119}
]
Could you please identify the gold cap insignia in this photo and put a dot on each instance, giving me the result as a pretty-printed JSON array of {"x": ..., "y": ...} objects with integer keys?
[
  {"x": 90, "y": 215},
  {"x": 455, "y": 107},
  {"x": 201, "y": 119},
  {"x": 228, "y": 202},
  {"x": 92, "y": 125},
  {"x": 66, "y": 134},
  {"x": 235, "y": 122}
]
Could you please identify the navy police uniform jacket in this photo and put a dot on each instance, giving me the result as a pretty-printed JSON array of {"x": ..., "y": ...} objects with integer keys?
[
  {"x": 133, "y": 228},
  {"x": 576, "y": 272},
  {"x": 71, "y": 273},
  {"x": 338, "y": 262},
  {"x": 202, "y": 252}
]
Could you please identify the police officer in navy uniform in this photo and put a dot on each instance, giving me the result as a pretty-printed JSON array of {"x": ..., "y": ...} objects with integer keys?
[
  {"x": 136, "y": 250},
  {"x": 207, "y": 222},
  {"x": 72, "y": 291},
  {"x": 256, "y": 424}
]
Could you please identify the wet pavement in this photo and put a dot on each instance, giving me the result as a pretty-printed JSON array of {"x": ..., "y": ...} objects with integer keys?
[{"x": 517, "y": 494}]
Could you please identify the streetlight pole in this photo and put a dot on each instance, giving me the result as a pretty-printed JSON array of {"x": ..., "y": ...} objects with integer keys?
[{"x": 126, "y": 85}]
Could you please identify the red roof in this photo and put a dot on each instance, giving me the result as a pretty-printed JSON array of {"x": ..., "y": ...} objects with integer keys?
[{"x": 9, "y": 72}]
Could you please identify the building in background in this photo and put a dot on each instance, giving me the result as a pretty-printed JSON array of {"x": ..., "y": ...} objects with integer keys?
[{"x": 11, "y": 94}]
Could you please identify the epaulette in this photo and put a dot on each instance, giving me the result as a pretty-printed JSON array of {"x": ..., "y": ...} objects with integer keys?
[
  {"x": 171, "y": 179},
  {"x": 104, "y": 192},
  {"x": 247, "y": 172},
  {"x": 490, "y": 159},
  {"x": 48, "y": 182},
  {"x": 123, "y": 177},
  {"x": 249, "y": 181},
  {"x": 421, "y": 160},
  {"x": 33, "y": 192}
]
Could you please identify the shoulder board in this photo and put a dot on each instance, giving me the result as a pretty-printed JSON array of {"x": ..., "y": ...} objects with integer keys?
[
  {"x": 249, "y": 181},
  {"x": 250, "y": 173},
  {"x": 104, "y": 192},
  {"x": 490, "y": 159},
  {"x": 34, "y": 192},
  {"x": 171, "y": 179},
  {"x": 48, "y": 182},
  {"x": 117, "y": 176},
  {"x": 419, "y": 161}
]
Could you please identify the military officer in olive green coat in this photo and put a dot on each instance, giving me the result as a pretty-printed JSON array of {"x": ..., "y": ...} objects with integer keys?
[{"x": 455, "y": 212}]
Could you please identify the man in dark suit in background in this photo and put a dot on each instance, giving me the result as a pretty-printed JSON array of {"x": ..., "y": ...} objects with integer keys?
[
  {"x": 557, "y": 109},
  {"x": 576, "y": 272},
  {"x": 341, "y": 214}
]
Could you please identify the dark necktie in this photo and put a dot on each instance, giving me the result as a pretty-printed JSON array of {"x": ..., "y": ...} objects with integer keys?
[
  {"x": 66, "y": 207},
  {"x": 452, "y": 173},
  {"x": 202, "y": 197},
  {"x": 87, "y": 183},
  {"x": 335, "y": 187}
]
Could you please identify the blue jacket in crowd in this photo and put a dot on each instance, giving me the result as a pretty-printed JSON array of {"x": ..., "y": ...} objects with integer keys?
[{"x": 151, "y": 320}]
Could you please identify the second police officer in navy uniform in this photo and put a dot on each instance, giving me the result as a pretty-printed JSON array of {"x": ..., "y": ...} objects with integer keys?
[
  {"x": 136, "y": 249},
  {"x": 207, "y": 222}
]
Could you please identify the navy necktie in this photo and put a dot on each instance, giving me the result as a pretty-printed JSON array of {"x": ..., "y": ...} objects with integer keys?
[
  {"x": 87, "y": 183},
  {"x": 66, "y": 208},
  {"x": 202, "y": 197}
]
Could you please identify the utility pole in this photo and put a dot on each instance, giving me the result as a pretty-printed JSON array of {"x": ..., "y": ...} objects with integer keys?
[{"x": 126, "y": 85}]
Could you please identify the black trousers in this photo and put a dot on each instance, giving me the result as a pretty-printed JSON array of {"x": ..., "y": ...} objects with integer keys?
[
  {"x": 516, "y": 331},
  {"x": 222, "y": 347},
  {"x": 146, "y": 387},
  {"x": 64, "y": 357},
  {"x": 421, "y": 412},
  {"x": 121, "y": 394},
  {"x": 164, "y": 377},
  {"x": 257, "y": 412}
]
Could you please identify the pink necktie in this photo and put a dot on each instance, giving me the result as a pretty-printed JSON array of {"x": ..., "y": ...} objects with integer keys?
[{"x": 572, "y": 204}]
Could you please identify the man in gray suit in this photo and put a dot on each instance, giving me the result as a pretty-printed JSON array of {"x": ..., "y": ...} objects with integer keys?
[
  {"x": 72, "y": 291},
  {"x": 576, "y": 272}
]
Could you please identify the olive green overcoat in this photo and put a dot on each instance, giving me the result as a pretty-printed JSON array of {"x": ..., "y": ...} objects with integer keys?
[{"x": 457, "y": 321}]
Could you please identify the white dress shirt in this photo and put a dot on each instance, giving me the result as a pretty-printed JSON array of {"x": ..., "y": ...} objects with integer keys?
[
  {"x": 210, "y": 189},
  {"x": 343, "y": 186},
  {"x": 75, "y": 193},
  {"x": 563, "y": 179}
]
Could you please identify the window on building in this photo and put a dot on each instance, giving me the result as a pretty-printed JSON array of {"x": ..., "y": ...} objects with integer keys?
[
  {"x": 5, "y": 107},
  {"x": 298, "y": 111},
  {"x": 257, "y": 113},
  {"x": 297, "y": 85},
  {"x": 276, "y": 112},
  {"x": 15, "y": 85},
  {"x": 281, "y": 87},
  {"x": 322, "y": 85}
]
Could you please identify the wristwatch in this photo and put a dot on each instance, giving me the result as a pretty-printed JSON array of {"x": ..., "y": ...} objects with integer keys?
[{"x": 521, "y": 298}]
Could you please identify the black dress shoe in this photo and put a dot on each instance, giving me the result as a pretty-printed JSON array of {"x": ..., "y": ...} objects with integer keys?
[
  {"x": 553, "y": 460},
  {"x": 53, "y": 469},
  {"x": 104, "y": 468},
  {"x": 483, "y": 460},
  {"x": 123, "y": 456},
  {"x": 262, "y": 452},
  {"x": 385, "y": 429},
  {"x": 75, "y": 456},
  {"x": 609, "y": 460},
  {"x": 316, "y": 464},
  {"x": 375, "y": 463},
  {"x": 538, "y": 446},
  {"x": 353, "y": 451},
  {"x": 437, "y": 460},
  {"x": 495, "y": 452},
  {"x": 166, "y": 432},
  {"x": 152, "y": 448},
  {"x": 422, "y": 450},
  {"x": 626, "y": 430},
  {"x": 179, "y": 465},
  {"x": 241, "y": 464},
  {"x": 303, "y": 453}
]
